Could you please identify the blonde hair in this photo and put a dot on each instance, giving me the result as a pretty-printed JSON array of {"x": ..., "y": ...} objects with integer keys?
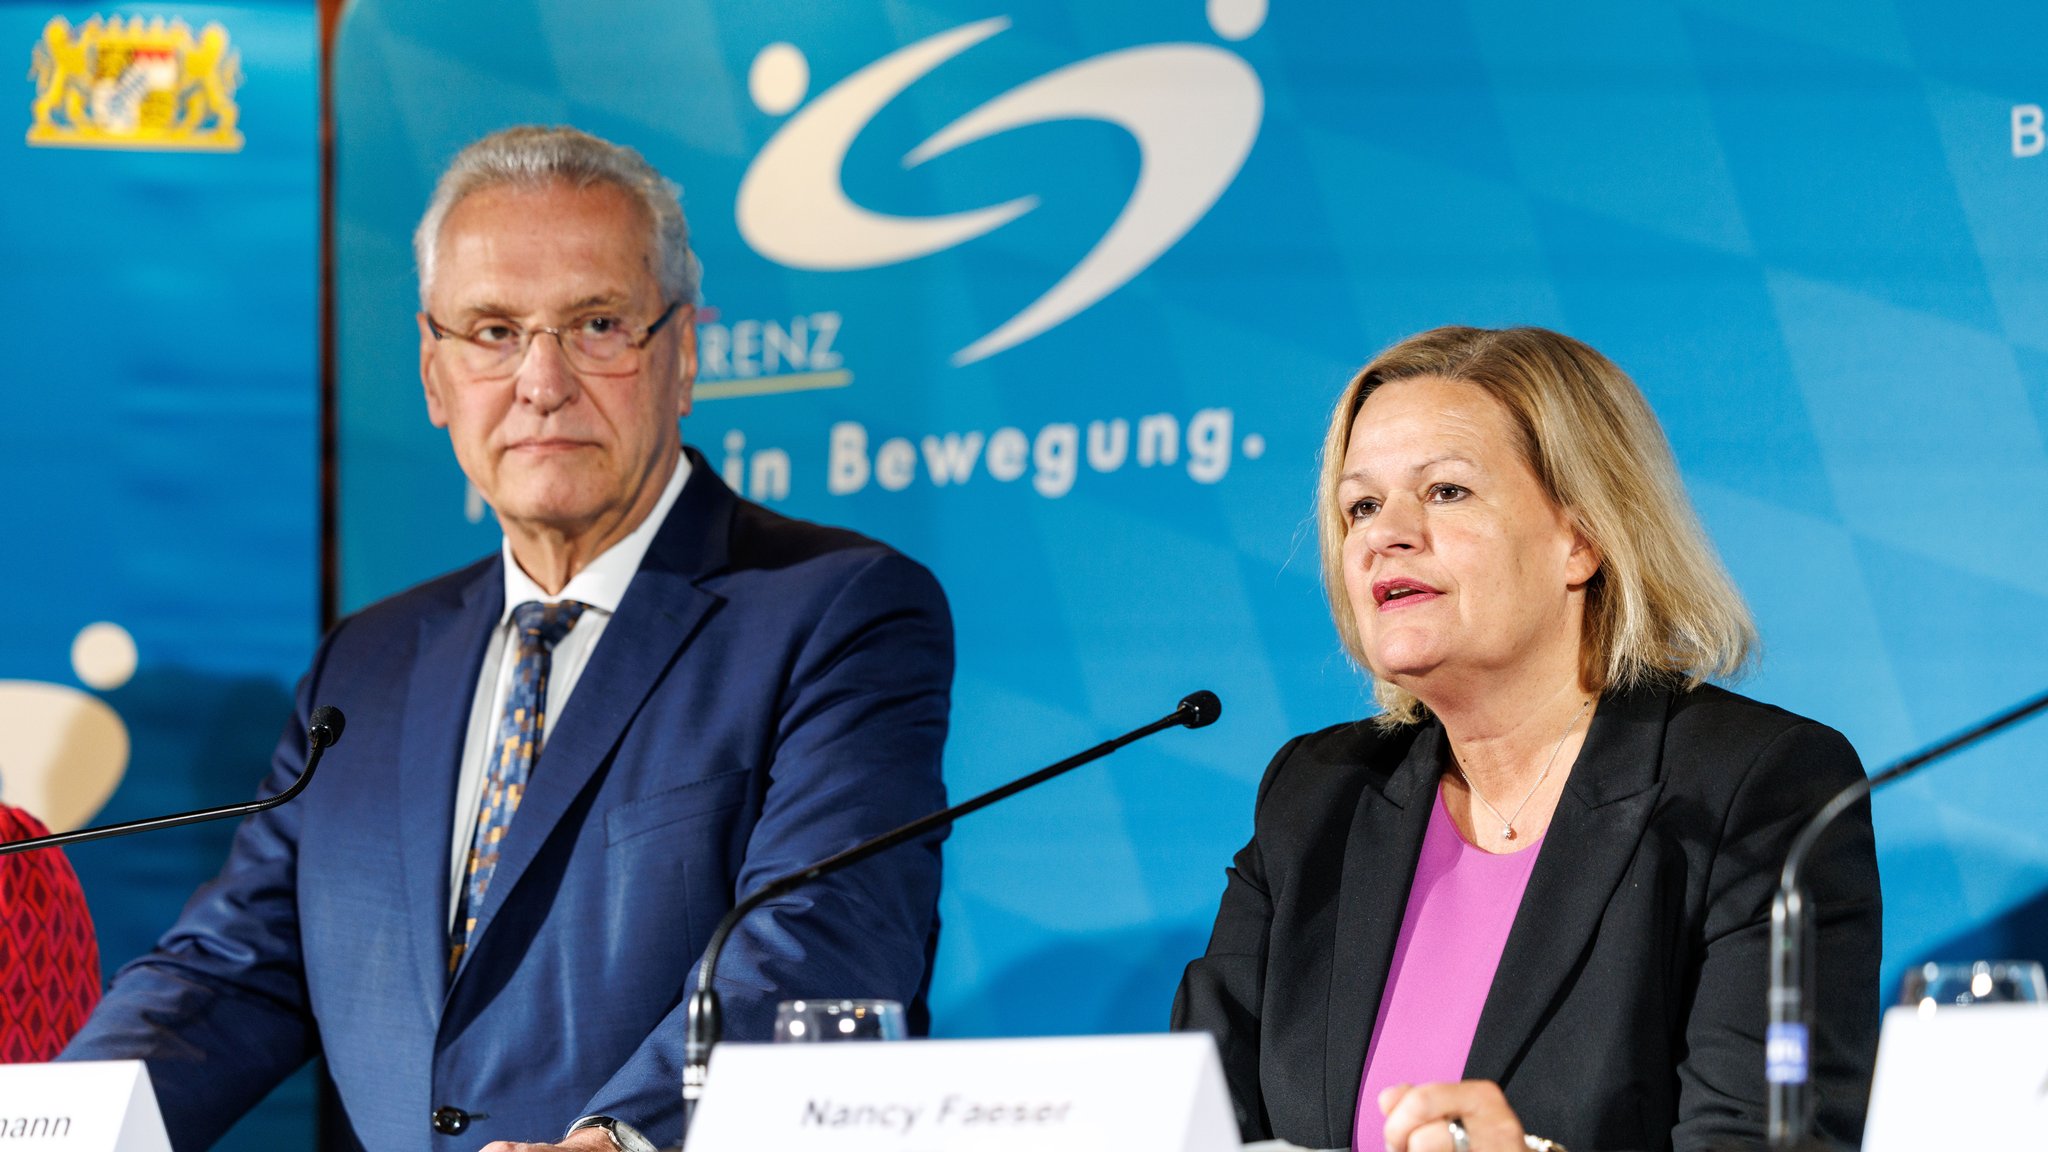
[{"x": 1661, "y": 607}]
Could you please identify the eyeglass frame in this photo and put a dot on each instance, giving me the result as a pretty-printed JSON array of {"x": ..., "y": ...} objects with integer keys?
[{"x": 441, "y": 332}]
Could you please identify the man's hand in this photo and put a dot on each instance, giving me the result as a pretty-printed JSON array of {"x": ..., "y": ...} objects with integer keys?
[
  {"x": 1418, "y": 1117},
  {"x": 581, "y": 1140}
]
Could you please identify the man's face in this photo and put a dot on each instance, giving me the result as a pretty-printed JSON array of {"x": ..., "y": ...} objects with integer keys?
[{"x": 552, "y": 448}]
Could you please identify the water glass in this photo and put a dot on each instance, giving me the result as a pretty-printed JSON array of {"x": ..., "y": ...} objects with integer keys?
[
  {"x": 823, "y": 1021},
  {"x": 1945, "y": 985}
]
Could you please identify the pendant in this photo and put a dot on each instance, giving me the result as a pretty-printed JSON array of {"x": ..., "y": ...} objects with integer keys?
[{"x": 1507, "y": 832}]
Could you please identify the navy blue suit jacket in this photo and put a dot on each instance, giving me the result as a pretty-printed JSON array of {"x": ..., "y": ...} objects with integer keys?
[{"x": 769, "y": 692}]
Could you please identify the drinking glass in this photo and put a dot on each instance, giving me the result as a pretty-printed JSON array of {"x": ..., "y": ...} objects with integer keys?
[
  {"x": 1943, "y": 985},
  {"x": 823, "y": 1021}
]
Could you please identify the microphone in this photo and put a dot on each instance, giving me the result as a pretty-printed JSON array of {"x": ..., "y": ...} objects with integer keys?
[
  {"x": 323, "y": 728},
  {"x": 1786, "y": 1049},
  {"x": 702, "y": 1020}
]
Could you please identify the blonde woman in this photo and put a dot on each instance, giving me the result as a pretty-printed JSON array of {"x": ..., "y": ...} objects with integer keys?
[{"x": 1527, "y": 904}]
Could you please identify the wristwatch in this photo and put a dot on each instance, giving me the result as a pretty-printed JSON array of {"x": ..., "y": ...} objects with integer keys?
[{"x": 625, "y": 1137}]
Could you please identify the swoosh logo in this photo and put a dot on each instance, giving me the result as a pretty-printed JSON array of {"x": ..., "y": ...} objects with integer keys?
[
  {"x": 793, "y": 208},
  {"x": 1194, "y": 110}
]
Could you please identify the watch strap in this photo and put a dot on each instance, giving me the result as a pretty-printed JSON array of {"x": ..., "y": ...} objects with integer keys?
[{"x": 624, "y": 1137}]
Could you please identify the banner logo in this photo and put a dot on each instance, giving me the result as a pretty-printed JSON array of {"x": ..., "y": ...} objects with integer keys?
[
  {"x": 1194, "y": 110},
  {"x": 63, "y": 751},
  {"x": 135, "y": 84}
]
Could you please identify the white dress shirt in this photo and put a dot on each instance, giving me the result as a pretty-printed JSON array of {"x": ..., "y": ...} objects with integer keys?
[{"x": 600, "y": 585}]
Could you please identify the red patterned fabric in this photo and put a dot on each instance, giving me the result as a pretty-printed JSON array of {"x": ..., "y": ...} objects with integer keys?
[{"x": 49, "y": 957}]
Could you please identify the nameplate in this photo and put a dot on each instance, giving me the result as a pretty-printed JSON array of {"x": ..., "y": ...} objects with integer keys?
[
  {"x": 1108, "y": 1093},
  {"x": 86, "y": 1107},
  {"x": 1972, "y": 1076}
]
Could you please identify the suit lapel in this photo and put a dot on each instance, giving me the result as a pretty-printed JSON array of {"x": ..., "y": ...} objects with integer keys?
[
  {"x": 661, "y": 610},
  {"x": 438, "y": 702},
  {"x": 1379, "y": 866},
  {"x": 1592, "y": 837}
]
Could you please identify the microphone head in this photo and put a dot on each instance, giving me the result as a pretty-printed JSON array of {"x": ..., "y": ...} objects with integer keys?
[
  {"x": 325, "y": 726},
  {"x": 1199, "y": 709}
]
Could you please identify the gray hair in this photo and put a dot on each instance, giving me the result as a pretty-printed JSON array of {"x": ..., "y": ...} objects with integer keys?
[{"x": 531, "y": 155}]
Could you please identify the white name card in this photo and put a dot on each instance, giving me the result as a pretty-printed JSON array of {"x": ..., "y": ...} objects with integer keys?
[
  {"x": 1973, "y": 1076},
  {"x": 87, "y": 1107},
  {"x": 1106, "y": 1093}
]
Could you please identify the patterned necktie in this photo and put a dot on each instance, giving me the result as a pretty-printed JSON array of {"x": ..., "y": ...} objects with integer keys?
[{"x": 537, "y": 628}]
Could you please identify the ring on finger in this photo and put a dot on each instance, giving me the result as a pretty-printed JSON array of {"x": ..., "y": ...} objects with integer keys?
[{"x": 1460, "y": 1142}]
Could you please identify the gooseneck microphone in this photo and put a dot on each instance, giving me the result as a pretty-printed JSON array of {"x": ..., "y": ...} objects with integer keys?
[
  {"x": 1787, "y": 1051},
  {"x": 702, "y": 1020},
  {"x": 323, "y": 728}
]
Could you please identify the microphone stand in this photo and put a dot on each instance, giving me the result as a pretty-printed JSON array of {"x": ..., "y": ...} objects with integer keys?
[
  {"x": 703, "y": 1022},
  {"x": 1786, "y": 1047},
  {"x": 322, "y": 730}
]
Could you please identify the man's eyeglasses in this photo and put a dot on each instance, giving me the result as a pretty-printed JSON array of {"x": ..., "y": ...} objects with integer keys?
[{"x": 598, "y": 343}]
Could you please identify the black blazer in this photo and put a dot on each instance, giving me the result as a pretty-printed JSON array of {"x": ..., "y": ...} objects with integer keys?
[{"x": 1628, "y": 1009}]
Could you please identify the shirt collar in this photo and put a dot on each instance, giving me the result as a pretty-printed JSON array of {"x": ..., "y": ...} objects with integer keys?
[{"x": 602, "y": 582}]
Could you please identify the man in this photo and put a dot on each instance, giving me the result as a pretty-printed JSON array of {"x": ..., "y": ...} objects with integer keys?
[{"x": 563, "y": 763}]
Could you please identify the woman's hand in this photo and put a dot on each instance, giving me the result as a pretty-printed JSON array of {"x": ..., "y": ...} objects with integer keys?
[{"x": 1418, "y": 1118}]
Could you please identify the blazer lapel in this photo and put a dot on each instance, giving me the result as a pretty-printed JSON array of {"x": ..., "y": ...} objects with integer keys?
[
  {"x": 1379, "y": 867},
  {"x": 662, "y": 609},
  {"x": 438, "y": 702},
  {"x": 1592, "y": 837}
]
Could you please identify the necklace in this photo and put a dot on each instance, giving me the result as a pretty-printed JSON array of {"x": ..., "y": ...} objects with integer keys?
[{"x": 1507, "y": 823}]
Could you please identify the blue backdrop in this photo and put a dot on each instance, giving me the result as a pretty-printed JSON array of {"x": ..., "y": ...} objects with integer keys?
[
  {"x": 160, "y": 450},
  {"x": 1054, "y": 296}
]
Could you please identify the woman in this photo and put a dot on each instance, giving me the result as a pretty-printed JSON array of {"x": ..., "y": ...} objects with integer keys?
[{"x": 1530, "y": 898}]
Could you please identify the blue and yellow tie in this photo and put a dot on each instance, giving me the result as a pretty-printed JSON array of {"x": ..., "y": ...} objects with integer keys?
[{"x": 538, "y": 628}]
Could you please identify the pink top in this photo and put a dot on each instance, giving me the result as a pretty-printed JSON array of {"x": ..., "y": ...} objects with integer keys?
[{"x": 1459, "y": 911}]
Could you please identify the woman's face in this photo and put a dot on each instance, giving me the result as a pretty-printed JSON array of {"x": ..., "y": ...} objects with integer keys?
[{"x": 1461, "y": 572}]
